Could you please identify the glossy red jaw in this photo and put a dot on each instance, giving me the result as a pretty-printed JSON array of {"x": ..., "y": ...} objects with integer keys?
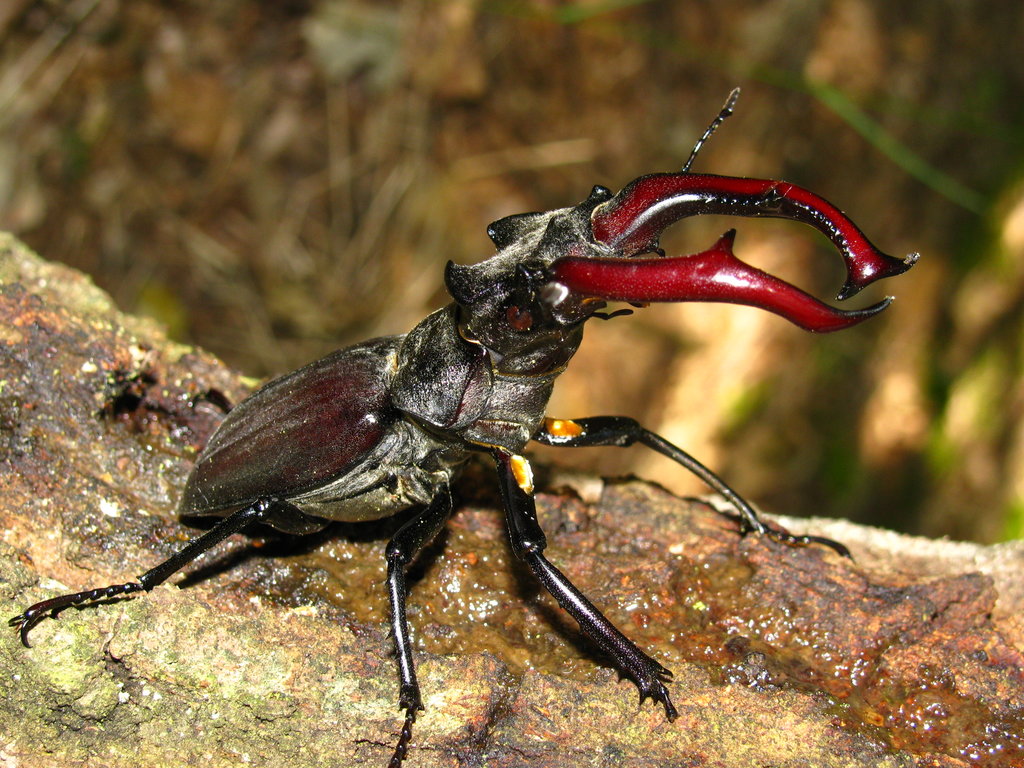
[
  {"x": 632, "y": 221},
  {"x": 711, "y": 275}
]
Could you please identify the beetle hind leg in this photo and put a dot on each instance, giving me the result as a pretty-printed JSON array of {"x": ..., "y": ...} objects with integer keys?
[
  {"x": 256, "y": 512},
  {"x": 622, "y": 431}
]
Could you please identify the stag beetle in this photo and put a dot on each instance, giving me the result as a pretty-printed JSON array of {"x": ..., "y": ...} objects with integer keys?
[{"x": 385, "y": 425}]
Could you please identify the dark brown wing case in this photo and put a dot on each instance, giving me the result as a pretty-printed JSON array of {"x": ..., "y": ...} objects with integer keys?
[{"x": 297, "y": 432}]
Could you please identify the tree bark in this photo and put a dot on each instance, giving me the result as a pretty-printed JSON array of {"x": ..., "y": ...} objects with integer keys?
[{"x": 274, "y": 651}]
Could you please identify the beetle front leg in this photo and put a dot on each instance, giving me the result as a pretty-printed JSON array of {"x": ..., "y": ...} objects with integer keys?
[
  {"x": 528, "y": 544},
  {"x": 622, "y": 431},
  {"x": 401, "y": 551}
]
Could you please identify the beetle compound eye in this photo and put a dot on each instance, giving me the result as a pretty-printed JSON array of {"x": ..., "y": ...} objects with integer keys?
[{"x": 520, "y": 319}]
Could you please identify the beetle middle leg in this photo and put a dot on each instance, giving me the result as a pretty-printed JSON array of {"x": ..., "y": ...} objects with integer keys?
[
  {"x": 262, "y": 510},
  {"x": 622, "y": 431},
  {"x": 401, "y": 551},
  {"x": 528, "y": 543}
]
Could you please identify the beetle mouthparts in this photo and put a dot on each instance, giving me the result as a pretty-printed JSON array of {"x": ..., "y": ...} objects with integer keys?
[{"x": 712, "y": 275}]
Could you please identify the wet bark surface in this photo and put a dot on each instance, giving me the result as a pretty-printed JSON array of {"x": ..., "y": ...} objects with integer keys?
[{"x": 273, "y": 650}]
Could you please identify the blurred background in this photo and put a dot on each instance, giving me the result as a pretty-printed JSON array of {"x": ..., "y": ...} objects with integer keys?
[{"x": 273, "y": 180}]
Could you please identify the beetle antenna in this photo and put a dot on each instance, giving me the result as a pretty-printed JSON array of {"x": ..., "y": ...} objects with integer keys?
[{"x": 725, "y": 112}]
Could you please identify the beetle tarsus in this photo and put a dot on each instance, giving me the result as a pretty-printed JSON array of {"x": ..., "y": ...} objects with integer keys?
[
  {"x": 805, "y": 540},
  {"x": 24, "y": 622},
  {"x": 402, "y": 747}
]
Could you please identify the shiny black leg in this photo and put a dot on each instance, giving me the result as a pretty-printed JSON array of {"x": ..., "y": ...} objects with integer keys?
[
  {"x": 622, "y": 431},
  {"x": 528, "y": 543},
  {"x": 401, "y": 551},
  {"x": 254, "y": 513}
]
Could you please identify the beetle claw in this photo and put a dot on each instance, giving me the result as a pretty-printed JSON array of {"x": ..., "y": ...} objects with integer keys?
[
  {"x": 656, "y": 690},
  {"x": 23, "y": 622},
  {"x": 805, "y": 540}
]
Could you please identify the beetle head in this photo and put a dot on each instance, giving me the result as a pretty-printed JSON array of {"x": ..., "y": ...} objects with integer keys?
[{"x": 511, "y": 301}]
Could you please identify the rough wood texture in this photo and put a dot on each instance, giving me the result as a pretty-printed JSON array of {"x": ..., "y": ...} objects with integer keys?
[{"x": 276, "y": 652}]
